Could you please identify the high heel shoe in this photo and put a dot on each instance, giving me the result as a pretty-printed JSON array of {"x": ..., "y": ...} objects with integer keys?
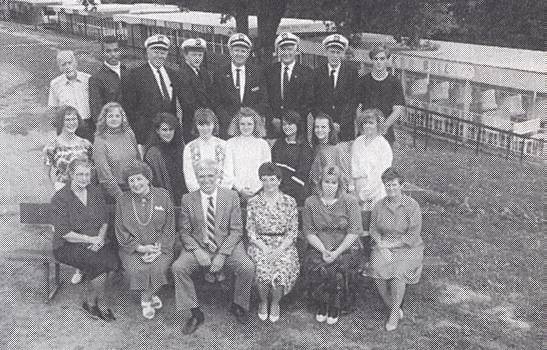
[
  {"x": 274, "y": 312},
  {"x": 262, "y": 316}
]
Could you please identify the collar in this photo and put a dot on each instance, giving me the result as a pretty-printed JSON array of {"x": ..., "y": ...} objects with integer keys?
[
  {"x": 234, "y": 67},
  {"x": 194, "y": 69},
  {"x": 206, "y": 196},
  {"x": 143, "y": 199},
  {"x": 291, "y": 66},
  {"x": 405, "y": 200},
  {"x": 336, "y": 69},
  {"x": 154, "y": 69},
  {"x": 115, "y": 68},
  {"x": 67, "y": 81}
]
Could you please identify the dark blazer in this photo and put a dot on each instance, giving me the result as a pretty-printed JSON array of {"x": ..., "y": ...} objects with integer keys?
[
  {"x": 229, "y": 101},
  {"x": 228, "y": 226},
  {"x": 299, "y": 94},
  {"x": 339, "y": 103},
  {"x": 194, "y": 92},
  {"x": 142, "y": 99},
  {"x": 105, "y": 86}
]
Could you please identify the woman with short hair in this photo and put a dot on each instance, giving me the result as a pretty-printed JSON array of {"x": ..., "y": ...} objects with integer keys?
[
  {"x": 206, "y": 146},
  {"x": 80, "y": 220},
  {"x": 396, "y": 225},
  {"x": 245, "y": 152},
  {"x": 145, "y": 228},
  {"x": 272, "y": 228},
  {"x": 332, "y": 223},
  {"x": 163, "y": 153},
  {"x": 115, "y": 146}
]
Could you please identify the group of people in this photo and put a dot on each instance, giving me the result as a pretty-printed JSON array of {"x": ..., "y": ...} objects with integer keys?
[{"x": 239, "y": 165}]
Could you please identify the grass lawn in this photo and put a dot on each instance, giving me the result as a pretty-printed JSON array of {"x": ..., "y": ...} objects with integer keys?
[{"x": 488, "y": 296}]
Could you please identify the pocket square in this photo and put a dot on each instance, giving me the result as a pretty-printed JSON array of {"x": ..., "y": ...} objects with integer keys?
[
  {"x": 256, "y": 88},
  {"x": 159, "y": 207}
]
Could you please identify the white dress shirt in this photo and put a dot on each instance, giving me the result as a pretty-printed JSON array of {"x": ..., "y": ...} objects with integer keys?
[
  {"x": 166, "y": 79},
  {"x": 336, "y": 72},
  {"x": 75, "y": 93},
  {"x": 116, "y": 69},
  {"x": 241, "y": 80},
  {"x": 289, "y": 73}
]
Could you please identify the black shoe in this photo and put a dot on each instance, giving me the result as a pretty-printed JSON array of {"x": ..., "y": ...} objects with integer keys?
[
  {"x": 88, "y": 311},
  {"x": 108, "y": 315},
  {"x": 97, "y": 312},
  {"x": 193, "y": 323},
  {"x": 242, "y": 316}
]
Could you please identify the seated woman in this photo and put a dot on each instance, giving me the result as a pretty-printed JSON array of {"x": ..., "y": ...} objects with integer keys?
[
  {"x": 396, "y": 224},
  {"x": 325, "y": 152},
  {"x": 332, "y": 223},
  {"x": 66, "y": 147},
  {"x": 145, "y": 228},
  {"x": 163, "y": 153},
  {"x": 245, "y": 152},
  {"x": 80, "y": 222},
  {"x": 294, "y": 156},
  {"x": 272, "y": 227},
  {"x": 371, "y": 155},
  {"x": 206, "y": 146},
  {"x": 114, "y": 147}
]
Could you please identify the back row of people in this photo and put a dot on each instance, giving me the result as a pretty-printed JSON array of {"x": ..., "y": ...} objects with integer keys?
[{"x": 333, "y": 88}]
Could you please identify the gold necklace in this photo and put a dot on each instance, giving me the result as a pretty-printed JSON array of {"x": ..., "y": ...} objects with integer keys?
[{"x": 137, "y": 215}]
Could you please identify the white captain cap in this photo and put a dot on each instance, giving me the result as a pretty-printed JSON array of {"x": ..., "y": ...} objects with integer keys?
[
  {"x": 286, "y": 39},
  {"x": 336, "y": 40},
  {"x": 194, "y": 43},
  {"x": 157, "y": 41},
  {"x": 240, "y": 39}
]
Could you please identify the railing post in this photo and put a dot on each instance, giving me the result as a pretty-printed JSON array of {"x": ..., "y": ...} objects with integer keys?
[{"x": 478, "y": 138}]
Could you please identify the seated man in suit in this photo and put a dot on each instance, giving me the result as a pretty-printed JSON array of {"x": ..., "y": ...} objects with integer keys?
[
  {"x": 196, "y": 82},
  {"x": 149, "y": 88},
  {"x": 211, "y": 232},
  {"x": 239, "y": 83},
  {"x": 105, "y": 84},
  {"x": 334, "y": 84},
  {"x": 288, "y": 83}
]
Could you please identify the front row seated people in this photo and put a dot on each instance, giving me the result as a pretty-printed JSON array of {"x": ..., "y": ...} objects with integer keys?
[
  {"x": 145, "y": 228},
  {"x": 211, "y": 231},
  {"x": 80, "y": 240}
]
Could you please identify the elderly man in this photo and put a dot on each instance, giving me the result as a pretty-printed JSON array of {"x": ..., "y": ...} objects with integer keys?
[
  {"x": 150, "y": 88},
  {"x": 196, "y": 82},
  {"x": 288, "y": 83},
  {"x": 105, "y": 84},
  {"x": 71, "y": 88},
  {"x": 381, "y": 90},
  {"x": 211, "y": 232},
  {"x": 239, "y": 83},
  {"x": 334, "y": 86}
]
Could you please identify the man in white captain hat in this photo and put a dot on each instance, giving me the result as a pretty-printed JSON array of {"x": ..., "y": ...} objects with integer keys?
[
  {"x": 334, "y": 84},
  {"x": 150, "y": 88},
  {"x": 239, "y": 83},
  {"x": 196, "y": 83},
  {"x": 288, "y": 83}
]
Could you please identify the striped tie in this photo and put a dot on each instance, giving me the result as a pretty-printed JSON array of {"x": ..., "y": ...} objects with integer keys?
[{"x": 209, "y": 240}]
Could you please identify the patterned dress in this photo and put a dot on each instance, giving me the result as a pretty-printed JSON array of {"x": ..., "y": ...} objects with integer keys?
[
  {"x": 58, "y": 154},
  {"x": 272, "y": 224}
]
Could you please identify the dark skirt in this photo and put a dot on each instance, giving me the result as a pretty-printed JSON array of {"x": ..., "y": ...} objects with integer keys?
[
  {"x": 334, "y": 284},
  {"x": 92, "y": 264}
]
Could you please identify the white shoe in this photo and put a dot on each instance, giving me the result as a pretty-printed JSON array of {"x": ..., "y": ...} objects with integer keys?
[
  {"x": 262, "y": 316},
  {"x": 77, "y": 277},
  {"x": 401, "y": 314},
  {"x": 320, "y": 318},
  {"x": 156, "y": 302},
  {"x": 332, "y": 320},
  {"x": 148, "y": 311}
]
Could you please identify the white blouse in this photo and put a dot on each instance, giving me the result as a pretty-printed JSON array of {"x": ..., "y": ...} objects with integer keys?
[
  {"x": 368, "y": 162},
  {"x": 198, "y": 149},
  {"x": 244, "y": 155}
]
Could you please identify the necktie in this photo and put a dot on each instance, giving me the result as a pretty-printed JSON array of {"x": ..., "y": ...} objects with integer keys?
[
  {"x": 164, "y": 92},
  {"x": 285, "y": 84},
  {"x": 209, "y": 239},
  {"x": 332, "y": 78},
  {"x": 238, "y": 78}
]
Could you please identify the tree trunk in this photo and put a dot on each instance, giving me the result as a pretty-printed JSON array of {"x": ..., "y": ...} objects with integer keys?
[
  {"x": 269, "y": 14},
  {"x": 242, "y": 17}
]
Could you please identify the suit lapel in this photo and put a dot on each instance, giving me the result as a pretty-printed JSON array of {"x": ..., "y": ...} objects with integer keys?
[
  {"x": 234, "y": 94},
  {"x": 220, "y": 209},
  {"x": 197, "y": 211},
  {"x": 152, "y": 80}
]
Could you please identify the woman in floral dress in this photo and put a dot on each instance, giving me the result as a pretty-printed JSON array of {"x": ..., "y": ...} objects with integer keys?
[{"x": 272, "y": 227}]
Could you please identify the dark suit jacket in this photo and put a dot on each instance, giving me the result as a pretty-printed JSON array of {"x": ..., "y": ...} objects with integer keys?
[
  {"x": 339, "y": 103},
  {"x": 142, "y": 99},
  {"x": 105, "y": 86},
  {"x": 228, "y": 226},
  {"x": 194, "y": 92},
  {"x": 229, "y": 101},
  {"x": 299, "y": 94}
]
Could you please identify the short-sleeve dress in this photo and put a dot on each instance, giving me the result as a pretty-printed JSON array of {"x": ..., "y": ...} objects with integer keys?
[
  {"x": 142, "y": 221},
  {"x": 272, "y": 223},
  {"x": 58, "y": 154},
  {"x": 401, "y": 222},
  {"x": 335, "y": 282}
]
